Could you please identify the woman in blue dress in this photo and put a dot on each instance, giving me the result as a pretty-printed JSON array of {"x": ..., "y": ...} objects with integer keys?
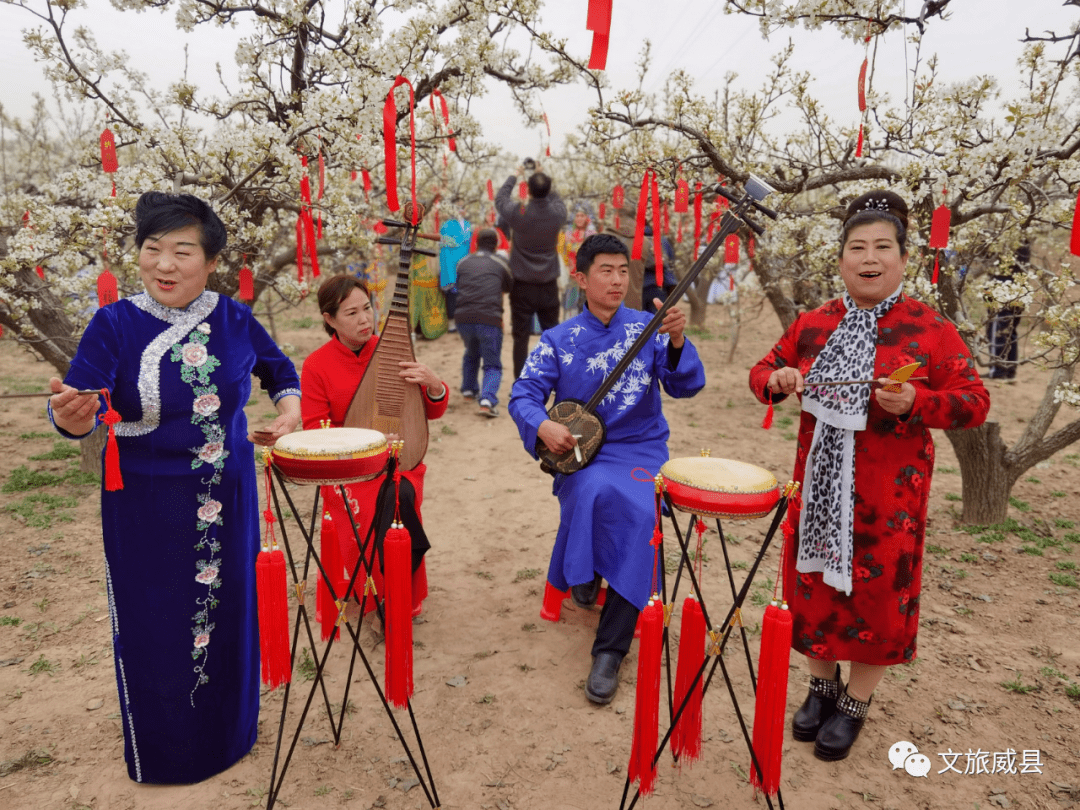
[{"x": 182, "y": 535}]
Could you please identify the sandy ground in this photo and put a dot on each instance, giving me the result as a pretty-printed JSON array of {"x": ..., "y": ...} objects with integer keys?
[{"x": 499, "y": 693}]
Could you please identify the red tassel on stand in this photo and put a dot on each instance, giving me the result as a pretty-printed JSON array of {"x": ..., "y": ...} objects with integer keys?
[
  {"x": 686, "y": 735},
  {"x": 647, "y": 702},
  {"x": 113, "y": 479},
  {"x": 326, "y": 609},
  {"x": 771, "y": 703},
  {"x": 271, "y": 584},
  {"x": 397, "y": 578}
]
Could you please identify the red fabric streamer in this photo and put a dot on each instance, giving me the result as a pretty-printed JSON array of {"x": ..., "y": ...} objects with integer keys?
[
  {"x": 686, "y": 735},
  {"x": 1074, "y": 243},
  {"x": 300, "y": 249},
  {"x": 731, "y": 249},
  {"x": 647, "y": 699},
  {"x": 698, "y": 198},
  {"x": 598, "y": 20},
  {"x": 366, "y": 175},
  {"x": 771, "y": 699},
  {"x": 319, "y": 196},
  {"x": 862, "y": 85},
  {"x": 106, "y": 288},
  {"x": 113, "y": 479},
  {"x": 665, "y": 216},
  {"x": 490, "y": 191},
  {"x": 109, "y": 163},
  {"x": 390, "y": 146},
  {"x": 435, "y": 94},
  {"x": 682, "y": 196}
]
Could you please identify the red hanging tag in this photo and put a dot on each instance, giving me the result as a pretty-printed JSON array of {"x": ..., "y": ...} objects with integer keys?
[
  {"x": 598, "y": 20},
  {"x": 246, "y": 284},
  {"x": 1074, "y": 244},
  {"x": 618, "y": 196},
  {"x": 698, "y": 198},
  {"x": 603, "y": 211},
  {"x": 731, "y": 249},
  {"x": 106, "y": 289},
  {"x": 366, "y": 176},
  {"x": 750, "y": 247},
  {"x": 523, "y": 191},
  {"x": 617, "y": 224},
  {"x": 682, "y": 196},
  {"x": 636, "y": 251},
  {"x": 390, "y": 146},
  {"x": 862, "y": 85},
  {"x": 490, "y": 191},
  {"x": 113, "y": 479},
  {"x": 939, "y": 227},
  {"x": 109, "y": 163},
  {"x": 451, "y": 145},
  {"x": 352, "y": 176}
]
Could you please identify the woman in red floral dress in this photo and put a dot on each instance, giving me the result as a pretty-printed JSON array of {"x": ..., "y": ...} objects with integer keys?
[{"x": 853, "y": 570}]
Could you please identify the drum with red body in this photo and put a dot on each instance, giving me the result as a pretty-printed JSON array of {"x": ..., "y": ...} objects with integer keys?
[
  {"x": 720, "y": 487},
  {"x": 331, "y": 456}
]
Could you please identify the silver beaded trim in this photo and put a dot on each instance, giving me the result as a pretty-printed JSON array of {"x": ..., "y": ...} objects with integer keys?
[
  {"x": 825, "y": 687},
  {"x": 181, "y": 322},
  {"x": 852, "y": 707}
]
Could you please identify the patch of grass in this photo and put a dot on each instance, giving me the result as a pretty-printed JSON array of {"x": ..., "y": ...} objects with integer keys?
[
  {"x": 1064, "y": 580},
  {"x": 1032, "y": 550},
  {"x": 1062, "y": 523},
  {"x": 990, "y": 537},
  {"x": 80, "y": 478},
  {"x": 949, "y": 470},
  {"x": 1019, "y": 505},
  {"x": 37, "y": 435},
  {"x": 528, "y": 627},
  {"x": 1050, "y": 672},
  {"x": 1068, "y": 565},
  {"x": 42, "y": 605},
  {"x": 785, "y": 422},
  {"x": 960, "y": 610},
  {"x": 10, "y": 621},
  {"x": 1031, "y": 479},
  {"x": 323, "y": 790},
  {"x": 485, "y": 574},
  {"x": 527, "y": 573},
  {"x": 952, "y": 496},
  {"x": 42, "y": 665},
  {"x": 968, "y": 557},
  {"x": 39, "y": 509},
  {"x": 28, "y": 761},
  {"x": 448, "y": 431},
  {"x": 487, "y": 699},
  {"x": 1073, "y": 691},
  {"x": 740, "y": 565},
  {"x": 525, "y": 668},
  {"x": 306, "y": 668},
  {"x": 937, "y": 549},
  {"x": 790, "y": 437},
  {"x": 85, "y": 661},
  {"x": 23, "y": 479},
  {"x": 62, "y": 449},
  {"x": 700, "y": 332},
  {"x": 1072, "y": 537},
  {"x": 1017, "y": 687},
  {"x": 1057, "y": 494}
]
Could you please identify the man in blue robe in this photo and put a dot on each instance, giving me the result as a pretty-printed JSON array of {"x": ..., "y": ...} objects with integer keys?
[{"x": 607, "y": 515}]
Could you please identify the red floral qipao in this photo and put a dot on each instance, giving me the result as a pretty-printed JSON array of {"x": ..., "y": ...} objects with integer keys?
[
  {"x": 894, "y": 460},
  {"x": 328, "y": 381}
]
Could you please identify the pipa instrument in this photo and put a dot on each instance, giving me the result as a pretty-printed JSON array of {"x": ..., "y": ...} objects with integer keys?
[
  {"x": 384, "y": 401},
  {"x": 581, "y": 417}
]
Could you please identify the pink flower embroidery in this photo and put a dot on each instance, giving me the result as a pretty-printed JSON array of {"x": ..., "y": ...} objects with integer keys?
[
  {"x": 194, "y": 354},
  {"x": 209, "y": 510},
  {"x": 202, "y": 640},
  {"x": 862, "y": 573},
  {"x": 908, "y": 524},
  {"x": 204, "y": 328},
  {"x": 819, "y": 650},
  {"x": 916, "y": 480},
  {"x": 207, "y": 575},
  {"x": 211, "y": 452},
  {"x": 866, "y": 635},
  {"x": 206, "y": 404}
]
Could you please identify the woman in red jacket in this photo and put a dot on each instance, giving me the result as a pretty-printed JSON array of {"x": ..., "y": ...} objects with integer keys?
[{"x": 330, "y": 377}]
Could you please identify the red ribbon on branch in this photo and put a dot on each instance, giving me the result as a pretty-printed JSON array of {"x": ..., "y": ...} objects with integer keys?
[
  {"x": 649, "y": 189},
  {"x": 598, "y": 20},
  {"x": 451, "y": 144},
  {"x": 390, "y": 146}
]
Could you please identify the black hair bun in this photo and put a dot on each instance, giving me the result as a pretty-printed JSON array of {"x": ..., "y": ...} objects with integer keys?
[{"x": 888, "y": 202}]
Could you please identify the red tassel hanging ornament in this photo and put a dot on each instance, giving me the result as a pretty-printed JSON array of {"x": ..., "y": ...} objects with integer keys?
[
  {"x": 731, "y": 249},
  {"x": 678, "y": 232},
  {"x": 113, "y": 479},
  {"x": 523, "y": 191},
  {"x": 390, "y": 146},
  {"x": 246, "y": 285},
  {"x": 327, "y": 608},
  {"x": 602, "y": 213},
  {"x": 647, "y": 699},
  {"x": 771, "y": 700},
  {"x": 767, "y": 421},
  {"x": 397, "y": 576},
  {"x": 939, "y": 234},
  {"x": 618, "y": 197},
  {"x": 106, "y": 282},
  {"x": 547, "y": 149},
  {"x": 682, "y": 196},
  {"x": 272, "y": 590},
  {"x": 1074, "y": 243},
  {"x": 686, "y": 735},
  {"x": 109, "y": 163},
  {"x": 365, "y": 175},
  {"x": 306, "y": 223},
  {"x": 300, "y": 249},
  {"x": 598, "y": 20}
]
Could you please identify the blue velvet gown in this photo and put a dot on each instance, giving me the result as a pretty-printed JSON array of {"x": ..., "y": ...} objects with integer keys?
[
  {"x": 606, "y": 514},
  {"x": 181, "y": 537}
]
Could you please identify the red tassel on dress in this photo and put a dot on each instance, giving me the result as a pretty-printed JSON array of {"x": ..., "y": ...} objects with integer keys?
[
  {"x": 686, "y": 735},
  {"x": 647, "y": 703},
  {"x": 771, "y": 702},
  {"x": 113, "y": 479},
  {"x": 397, "y": 564}
]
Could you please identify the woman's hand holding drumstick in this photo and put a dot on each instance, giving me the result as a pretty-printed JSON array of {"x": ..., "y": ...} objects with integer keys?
[
  {"x": 71, "y": 411},
  {"x": 786, "y": 381}
]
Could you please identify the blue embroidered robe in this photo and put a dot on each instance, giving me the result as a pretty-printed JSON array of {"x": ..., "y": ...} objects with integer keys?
[
  {"x": 181, "y": 537},
  {"x": 606, "y": 516}
]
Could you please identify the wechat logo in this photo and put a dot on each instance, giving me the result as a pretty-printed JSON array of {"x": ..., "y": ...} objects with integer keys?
[{"x": 905, "y": 755}]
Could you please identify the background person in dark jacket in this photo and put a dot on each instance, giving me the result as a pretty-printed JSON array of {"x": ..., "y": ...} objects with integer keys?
[
  {"x": 534, "y": 258},
  {"x": 482, "y": 278}
]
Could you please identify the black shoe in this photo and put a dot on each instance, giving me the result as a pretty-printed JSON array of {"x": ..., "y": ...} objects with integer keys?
[
  {"x": 585, "y": 596},
  {"x": 840, "y": 731},
  {"x": 819, "y": 706},
  {"x": 603, "y": 678}
]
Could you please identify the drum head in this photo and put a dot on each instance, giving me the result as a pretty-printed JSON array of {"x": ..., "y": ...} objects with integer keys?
[
  {"x": 720, "y": 487},
  {"x": 331, "y": 455}
]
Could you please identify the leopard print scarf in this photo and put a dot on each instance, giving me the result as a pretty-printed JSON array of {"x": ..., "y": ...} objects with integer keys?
[{"x": 826, "y": 524}]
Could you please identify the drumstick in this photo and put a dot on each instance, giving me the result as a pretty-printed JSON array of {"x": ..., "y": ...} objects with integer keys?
[
  {"x": 94, "y": 391},
  {"x": 859, "y": 382}
]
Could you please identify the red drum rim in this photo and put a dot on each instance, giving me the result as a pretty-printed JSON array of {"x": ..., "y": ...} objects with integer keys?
[
  {"x": 331, "y": 456},
  {"x": 719, "y": 487}
]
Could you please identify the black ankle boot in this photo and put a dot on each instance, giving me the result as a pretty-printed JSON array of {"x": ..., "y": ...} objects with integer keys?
[
  {"x": 819, "y": 706},
  {"x": 840, "y": 731}
]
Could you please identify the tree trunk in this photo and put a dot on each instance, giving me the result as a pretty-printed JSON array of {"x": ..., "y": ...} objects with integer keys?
[
  {"x": 697, "y": 308},
  {"x": 986, "y": 476},
  {"x": 91, "y": 448}
]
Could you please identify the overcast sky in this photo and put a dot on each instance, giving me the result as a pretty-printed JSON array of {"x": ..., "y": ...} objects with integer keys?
[{"x": 695, "y": 35}]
